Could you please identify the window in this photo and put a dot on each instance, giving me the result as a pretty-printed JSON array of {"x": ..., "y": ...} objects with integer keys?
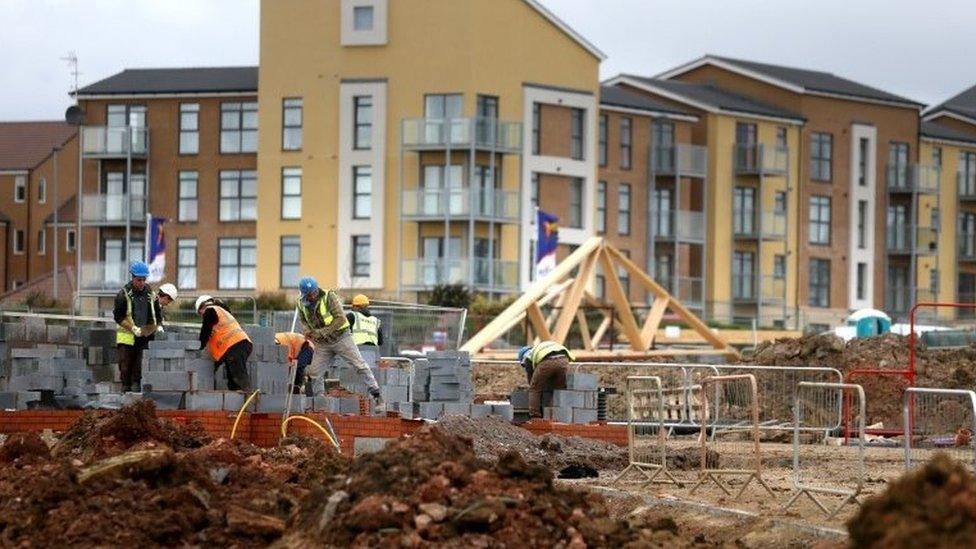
[
  {"x": 238, "y": 195},
  {"x": 19, "y": 241},
  {"x": 601, "y": 286},
  {"x": 291, "y": 253},
  {"x": 862, "y": 217},
  {"x": 69, "y": 240},
  {"x": 935, "y": 219},
  {"x": 862, "y": 280},
  {"x": 189, "y": 128},
  {"x": 821, "y": 147},
  {"x": 188, "y": 197},
  {"x": 779, "y": 202},
  {"x": 819, "y": 289},
  {"x": 937, "y": 158},
  {"x": 625, "y": 143},
  {"x": 362, "y": 192},
  {"x": 42, "y": 191},
  {"x": 742, "y": 275},
  {"x": 934, "y": 281},
  {"x": 601, "y": 207},
  {"x": 576, "y": 202},
  {"x": 186, "y": 263},
  {"x": 603, "y": 140},
  {"x": 662, "y": 222},
  {"x": 239, "y": 127},
  {"x": 966, "y": 173},
  {"x": 291, "y": 124},
  {"x": 20, "y": 188},
  {"x": 898, "y": 236},
  {"x": 487, "y": 119},
  {"x": 536, "y": 128},
  {"x": 862, "y": 162},
  {"x": 623, "y": 204},
  {"x": 664, "y": 269},
  {"x": 291, "y": 194},
  {"x": 746, "y": 153},
  {"x": 898, "y": 165},
  {"x": 362, "y": 113},
  {"x": 820, "y": 220},
  {"x": 779, "y": 267},
  {"x": 623, "y": 275},
  {"x": 41, "y": 242},
  {"x": 743, "y": 210},
  {"x": 576, "y": 134},
  {"x": 781, "y": 138},
  {"x": 362, "y": 18},
  {"x": 662, "y": 141},
  {"x": 238, "y": 264},
  {"x": 360, "y": 255}
]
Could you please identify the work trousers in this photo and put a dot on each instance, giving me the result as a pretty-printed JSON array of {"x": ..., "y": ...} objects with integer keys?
[
  {"x": 235, "y": 366},
  {"x": 548, "y": 375},
  {"x": 346, "y": 350},
  {"x": 302, "y": 362},
  {"x": 130, "y": 364}
]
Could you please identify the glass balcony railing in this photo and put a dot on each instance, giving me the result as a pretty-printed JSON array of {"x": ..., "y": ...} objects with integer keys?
[
  {"x": 967, "y": 246},
  {"x": 691, "y": 291},
  {"x": 681, "y": 225},
  {"x": 763, "y": 290},
  {"x": 898, "y": 239},
  {"x": 481, "y": 273},
  {"x": 680, "y": 159},
  {"x": 966, "y": 185},
  {"x": 900, "y": 299},
  {"x": 103, "y": 275},
  {"x": 756, "y": 159},
  {"x": 114, "y": 141},
  {"x": 457, "y": 133},
  {"x": 485, "y": 203},
  {"x": 752, "y": 224},
  {"x": 913, "y": 178},
  {"x": 113, "y": 208}
]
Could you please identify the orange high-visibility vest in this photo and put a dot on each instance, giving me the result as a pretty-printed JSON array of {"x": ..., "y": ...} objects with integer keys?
[
  {"x": 293, "y": 341},
  {"x": 226, "y": 333}
]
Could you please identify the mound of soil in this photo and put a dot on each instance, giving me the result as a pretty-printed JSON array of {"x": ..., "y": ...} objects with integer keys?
[
  {"x": 934, "y": 506},
  {"x": 23, "y": 447}
]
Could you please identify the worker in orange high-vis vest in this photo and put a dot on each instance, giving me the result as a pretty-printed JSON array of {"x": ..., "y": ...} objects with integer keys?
[
  {"x": 226, "y": 341},
  {"x": 300, "y": 349}
]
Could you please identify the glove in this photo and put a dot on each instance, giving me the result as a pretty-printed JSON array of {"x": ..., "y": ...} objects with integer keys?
[
  {"x": 137, "y": 331},
  {"x": 159, "y": 330}
]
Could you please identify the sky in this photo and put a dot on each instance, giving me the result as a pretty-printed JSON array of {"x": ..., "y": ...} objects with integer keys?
[{"x": 918, "y": 50}]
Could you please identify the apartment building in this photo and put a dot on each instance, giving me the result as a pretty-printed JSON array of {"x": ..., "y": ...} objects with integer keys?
[
  {"x": 38, "y": 167},
  {"x": 423, "y": 148},
  {"x": 859, "y": 168},
  {"x": 178, "y": 144}
]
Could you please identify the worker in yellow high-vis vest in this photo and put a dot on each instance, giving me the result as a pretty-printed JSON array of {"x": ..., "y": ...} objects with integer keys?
[
  {"x": 328, "y": 329},
  {"x": 366, "y": 328},
  {"x": 137, "y": 314},
  {"x": 546, "y": 365}
]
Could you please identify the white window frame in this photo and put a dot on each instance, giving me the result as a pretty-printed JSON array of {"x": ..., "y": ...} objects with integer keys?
[
  {"x": 20, "y": 189},
  {"x": 289, "y": 241},
  {"x": 291, "y": 199},
  {"x": 187, "y": 176},
  {"x": 70, "y": 240},
  {"x": 374, "y": 36},
  {"x": 190, "y": 110},
  {"x": 42, "y": 242},
  {"x": 182, "y": 268},
  {"x": 19, "y": 246},
  {"x": 42, "y": 191}
]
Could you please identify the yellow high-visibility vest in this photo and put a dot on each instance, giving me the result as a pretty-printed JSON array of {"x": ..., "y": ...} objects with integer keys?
[
  {"x": 545, "y": 349},
  {"x": 122, "y": 335},
  {"x": 365, "y": 329},
  {"x": 323, "y": 318}
]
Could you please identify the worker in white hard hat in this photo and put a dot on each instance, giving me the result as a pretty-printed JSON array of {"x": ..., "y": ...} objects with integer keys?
[
  {"x": 165, "y": 295},
  {"x": 226, "y": 340}
]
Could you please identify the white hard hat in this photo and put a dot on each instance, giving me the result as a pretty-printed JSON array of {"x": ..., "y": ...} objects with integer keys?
[
  {"x": 168, "y": 290},
  {"x": 201, "y": 300}
]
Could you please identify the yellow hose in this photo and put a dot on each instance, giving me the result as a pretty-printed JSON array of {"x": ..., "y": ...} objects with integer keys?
[
  {"x": 237, "y": 420},
  {"x": 284, "y": 428}
]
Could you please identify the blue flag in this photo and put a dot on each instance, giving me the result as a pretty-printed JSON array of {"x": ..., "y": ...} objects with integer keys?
[
  {"x": 157, "y": 250},
  {"x": 546, "y": 244}
]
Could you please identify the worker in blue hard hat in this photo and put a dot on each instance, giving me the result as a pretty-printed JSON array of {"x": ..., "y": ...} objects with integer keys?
[
  {"x": 328, "y": 329},
  {"x": 137, "y": 315},
  {"x": 546, "y": 365}
]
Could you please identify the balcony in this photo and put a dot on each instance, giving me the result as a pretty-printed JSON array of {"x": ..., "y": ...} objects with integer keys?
[
  {"x": 755, "y": 159},
  {"x": 103, "y": 276},
  {"x": 690, "y": 291},
  {"x": 761, "y": 225},
  {"x": 899, "y": 240},
  {"x": 967, "y": 246},
  {"x": 680, "y": 159},
  {"x": 764, "y": 290},
  {"x": 966, "y": 186},
  {"x": 113, "y": 209},
  {"x": 484, "y": 204},
  {"x": 913, "y": 178},
  {"x": 681, "y": 225},
  {"x": 114, "y": 142},
  {"x": 489, "y": 274},
  {"x": 900, "y": 299},
  {"x": 461, "y": 133}
]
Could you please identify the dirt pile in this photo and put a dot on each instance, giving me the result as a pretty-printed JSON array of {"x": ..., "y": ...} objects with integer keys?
[
  {"x": 934, "y": 506},
  {"x": 492, "y": 437},
  {"x": 24, "y": 447}
]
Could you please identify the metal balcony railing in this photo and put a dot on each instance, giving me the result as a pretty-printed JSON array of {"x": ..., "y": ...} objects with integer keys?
[
  {"x": 114, "y": 141},
  {"x": 684, "y": 225},
  {"x": 752, "y": 224},
  {"x": 913, "y": 178},
  {"x": 681, "y": 158},
  {"x": 756, "y": 159},
  {"x": 113, "y": 209},
  {"x": 966, "y": 185},
  {"x": 484, "y": 203},
  {"x": 489, "y": 274},
  {"x": 967, "y": 246},
  {"x": 101, "y": 275},
  {"x": 457, "y": 133},
  {"x": 765, "y": 289},
  {"x": 898, "y": 239}
]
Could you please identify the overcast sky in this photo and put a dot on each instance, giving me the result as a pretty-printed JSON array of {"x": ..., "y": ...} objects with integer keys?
[{"x": 919, "y": 50}]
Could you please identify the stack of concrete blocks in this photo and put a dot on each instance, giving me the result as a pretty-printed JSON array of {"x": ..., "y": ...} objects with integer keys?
[
  {"x": 443, "y": 381},
  {"x": 267, "y": 369},
  {"x": 38, "y": 361},
  {"x": 577, "y": 403}
]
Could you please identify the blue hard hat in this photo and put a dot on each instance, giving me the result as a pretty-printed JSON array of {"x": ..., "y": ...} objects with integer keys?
[
  {"x": 139, "y": 269},
  {"x": 307, "y": 285},
  {"x": 523, "y": 353}
]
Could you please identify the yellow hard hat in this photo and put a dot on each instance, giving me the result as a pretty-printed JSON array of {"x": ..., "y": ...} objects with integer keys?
[{"x": 360, "y": 301}]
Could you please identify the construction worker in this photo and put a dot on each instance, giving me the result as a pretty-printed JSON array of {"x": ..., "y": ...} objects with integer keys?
[
  {"x": 226, "y": 341},
  {"x": 136, "y": 313},
  {"x": 301, "y": 350},
  {"x": 365, "y": 326},
  {"x": 546, "y": 365},
  {"x": 165, "y": 295},
  {"x": 327, "y": 327}
]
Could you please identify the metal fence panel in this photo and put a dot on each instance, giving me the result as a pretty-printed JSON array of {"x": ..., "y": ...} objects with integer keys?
[
  {"x": 646, "y": 415},
  {"x": 939, "y": 420}
]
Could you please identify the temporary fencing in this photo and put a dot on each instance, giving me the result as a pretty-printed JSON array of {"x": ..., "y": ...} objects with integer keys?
[
  {"x": 939, "y": 420},
  {"x": 816, "y": 409},
  {"x": 646, "y": 415}
]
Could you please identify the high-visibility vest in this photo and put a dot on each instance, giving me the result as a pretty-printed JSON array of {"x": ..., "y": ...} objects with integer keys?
[
  {"x": 545, "y": 349},
  {"x": 365, "y": 329},
  {"x": 123, "y": 336},
  {"x": 323, "y": 318},
  {"x": 226, "y": 333},
  {"x": 293, "y": 341}
]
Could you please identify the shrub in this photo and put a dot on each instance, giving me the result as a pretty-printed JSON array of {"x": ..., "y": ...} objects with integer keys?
[{"x": 450, "y": 295}]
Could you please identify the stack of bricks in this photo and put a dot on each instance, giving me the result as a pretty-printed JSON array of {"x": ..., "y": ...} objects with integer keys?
[
  {"x": 443, "y": 386},
  {"x": 577, "y": 403},
  {"x": 40, "y": 362}
]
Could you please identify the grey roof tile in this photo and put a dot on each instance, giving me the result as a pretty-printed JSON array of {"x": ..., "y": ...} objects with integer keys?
[{"x": 176, "y": 80}]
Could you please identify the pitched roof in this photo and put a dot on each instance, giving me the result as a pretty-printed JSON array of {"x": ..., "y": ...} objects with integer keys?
[
  {"x": 797, "y": 79},
  {"x": 619, "y": 96},
  {"x": 566, "y": 29},
  {"x": 67, "y": 213},
  {"x": 708, "y": 97},
  {"x": 176, "y": 80},
  {"x": 963, "y": 103},
  {"x": 24, "y": 145},
  {"x": 935, "y": 130}
]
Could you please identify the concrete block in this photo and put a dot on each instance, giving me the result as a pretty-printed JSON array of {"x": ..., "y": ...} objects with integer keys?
[
  {"x": 394, "y": 394},
  {"x": 408, "y": 410},
  {"x": 165, "y": 400},
  {"x": 559, "y": 414},
  {"x": 166, "y": 381},
  {"x": 325, "y": 404},
  {"x": 204, "y": 400},
  {"x": 567, "y": 398},
  {"x": 104, "y": 387},
  {"x": 57, "y": 334},
  {"x": 580, "y": 381},
  {"x": 590, "y": 399},
  {"x": 71, "y": 402},
  {"x": 131, "y": 398},
  {"x": 584, "y": 415},
  {"x": 457, "y": 408},
  {"x": 8, "y": 400},
  {"x": 431, "y": 410},
  {"x": 480, "y": 410},
  {"x": 233, "y": 400},
  {"x": 349, "y": 405},
  {"x": 276, "y": 403},
  {"x": 504, "y": 411},
  {"x": 368, "y": 445},
  {"x": 520, "y": 398}
]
